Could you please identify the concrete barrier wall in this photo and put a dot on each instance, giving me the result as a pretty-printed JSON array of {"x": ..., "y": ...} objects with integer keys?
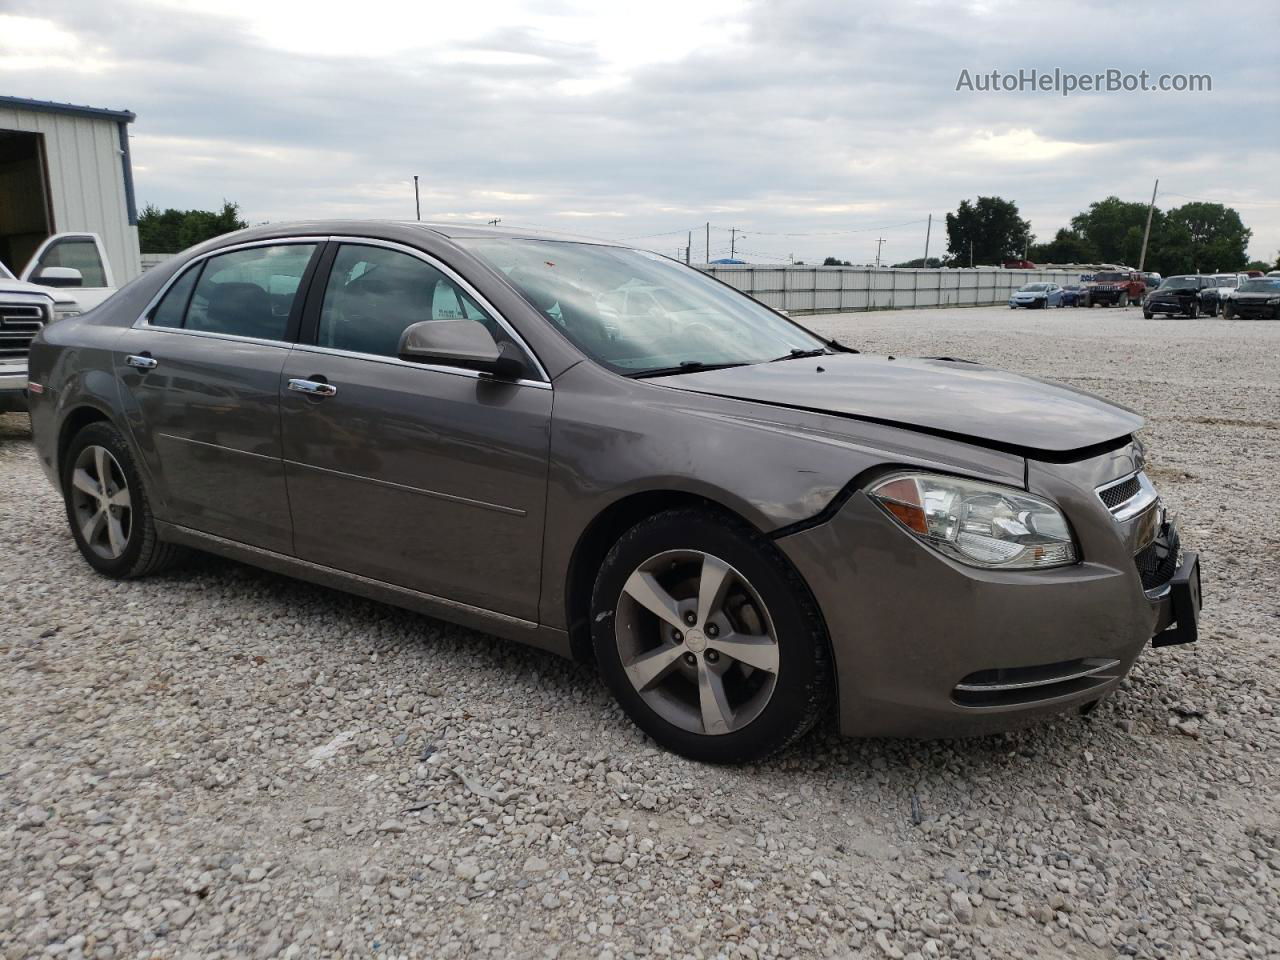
[{"x": 804, "y": 289}]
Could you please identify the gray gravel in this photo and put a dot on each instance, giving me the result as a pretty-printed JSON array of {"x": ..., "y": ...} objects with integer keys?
[{"x": 221, "y": 762}]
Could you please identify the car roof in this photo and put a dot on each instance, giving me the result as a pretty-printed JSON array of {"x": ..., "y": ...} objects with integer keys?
[{"x": 447, "y": 229}]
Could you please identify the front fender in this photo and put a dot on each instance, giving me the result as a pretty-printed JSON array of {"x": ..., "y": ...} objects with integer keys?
[{"x": 613, "y": 438}]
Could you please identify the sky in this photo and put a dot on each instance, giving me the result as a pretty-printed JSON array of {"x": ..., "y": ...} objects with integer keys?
[{"x": 813, "y": 127}]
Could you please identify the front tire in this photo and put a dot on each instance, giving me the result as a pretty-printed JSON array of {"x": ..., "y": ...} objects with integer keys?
[
  {"x": 1228, "y": 313},
  {"x": 1147, "y": 314},
  {"x": 107, "y": 506},
  {"x": 708, "y": 639},
  {"x": 1194, "y": 311}
]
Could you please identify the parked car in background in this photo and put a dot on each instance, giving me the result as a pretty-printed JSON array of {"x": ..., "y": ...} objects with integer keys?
[
  {"x": 1255, "y": 299},
  {"x": 1152, "y": 281},
  {"x": 1075, "y": 295},
  {"x": 1221, "y": 286},
  {"x": 1116, "y": 288},
  {"x": 24, "y": 309},
  {"x": 1176, "y": 296},
  {"x": 1036, "y": 295},
  {"x": 738, "y": 521},
  {"x": 75, "y": 262}
]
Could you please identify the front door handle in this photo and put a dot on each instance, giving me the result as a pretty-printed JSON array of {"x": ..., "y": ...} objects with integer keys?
[
  {"x": 141, "y": 361},
  {"x": 313, "y": 388}
]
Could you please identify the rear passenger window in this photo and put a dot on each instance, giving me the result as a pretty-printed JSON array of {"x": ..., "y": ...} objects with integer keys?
[
  {"x": 173, "y": 306},
  {"x": 374, "y": 293},
  {"x": 249, "y": 293}
]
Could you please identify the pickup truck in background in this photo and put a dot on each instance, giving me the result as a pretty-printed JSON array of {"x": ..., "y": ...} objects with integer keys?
[{"x": 68, "y": 275}]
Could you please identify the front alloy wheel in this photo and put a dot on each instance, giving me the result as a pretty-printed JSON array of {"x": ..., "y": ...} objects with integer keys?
[
  {"x": 708, "y": 638},
  {"x": 696, "y": 642}
]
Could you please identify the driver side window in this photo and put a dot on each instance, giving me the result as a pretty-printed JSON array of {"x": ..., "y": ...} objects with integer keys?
[{"x": 374, "y": 293}]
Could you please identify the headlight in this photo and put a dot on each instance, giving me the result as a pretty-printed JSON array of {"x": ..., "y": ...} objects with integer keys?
[
  {"x": 981, "y": 524},
  {"x": 65, "y": 313}
]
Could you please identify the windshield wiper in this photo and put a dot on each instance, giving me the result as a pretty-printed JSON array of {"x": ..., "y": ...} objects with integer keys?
[
  {"x": 685, "y": 366},
  {"x": 798, "y": 354}
]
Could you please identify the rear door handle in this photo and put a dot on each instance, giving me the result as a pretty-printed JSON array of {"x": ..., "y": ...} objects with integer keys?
[
  {"x": 141, "y": 361},
  {"x": 313, "y": 388}
]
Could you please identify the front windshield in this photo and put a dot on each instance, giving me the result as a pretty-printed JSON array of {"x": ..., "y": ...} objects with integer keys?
[
  {"x": 1180, "y": 283},
  {"x": 1226, "y": 281},
  {"x": 5, "y": 274},
  {"x": 1033, "y": 288},
  {"x": 638, "y": 312},
  {"x": 1110, "y": 278},
  {"x": 1261, "y": 285}
]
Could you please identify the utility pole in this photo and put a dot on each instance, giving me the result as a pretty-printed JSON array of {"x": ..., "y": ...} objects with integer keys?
[
  {"x": 924, "y": 264},
  {"x": 417, "y": 204},
  {"x": 879, "y": 243},
  {"x": 970, "y": 254},
  {"x": 733, "y": 244},
  {"x": 495, "y": 221},
  {"x": 1146, "y": 234},
  {"x": 708, "y": 241},
  {"x": 688, "y": 248}
]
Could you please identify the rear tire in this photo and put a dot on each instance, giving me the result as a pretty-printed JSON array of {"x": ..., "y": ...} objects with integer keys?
[
  {"x": 737, "y": 666},
  {"x": 108, "y": 509}
]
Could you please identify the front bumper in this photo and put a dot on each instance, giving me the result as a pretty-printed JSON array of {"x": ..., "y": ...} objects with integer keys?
[
  {"x": 1106, "y": 296},
  {"x": 13, "y": 390},
  {"x": 927, "y": 647},
  {"x": 1255, "y": 311},
  {"x": 1169, "y": 306}
]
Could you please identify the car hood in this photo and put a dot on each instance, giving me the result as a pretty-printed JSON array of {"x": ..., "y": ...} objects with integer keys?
[
  {"x": 28, "y": 289},
  {"x": 943, "y": 397}
]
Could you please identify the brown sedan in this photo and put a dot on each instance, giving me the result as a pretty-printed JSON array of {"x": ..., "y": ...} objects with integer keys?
[{"x": 599, "y": 451}]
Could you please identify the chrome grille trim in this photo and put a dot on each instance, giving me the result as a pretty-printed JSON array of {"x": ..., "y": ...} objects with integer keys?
[
  {"x": 1084, "y": 668},
  {"x": 19, "y": 323},
  {"x": 1127, "y": 497}
]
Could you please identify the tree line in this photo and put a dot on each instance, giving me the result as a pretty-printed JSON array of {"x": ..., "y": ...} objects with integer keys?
[
  {"x": 172, "y": 231},
  {"x": 1197, "y": 237}
]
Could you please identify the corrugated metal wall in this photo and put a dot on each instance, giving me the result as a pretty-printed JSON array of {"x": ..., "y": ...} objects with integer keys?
[
  {"x": 86, "y": 180},
  {"x": 803, "y": 289}
]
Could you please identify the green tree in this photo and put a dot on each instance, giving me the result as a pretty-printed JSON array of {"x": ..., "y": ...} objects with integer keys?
[
  {"x": 1112, "y": 230},
  {"x": 988, "y": 231},
  {"x": 836, "y": 262},
  {"x": 170, "y": 231},
  {"x": 1067, "y": 246},
  {"x": 919, "y": 262},
  {"x": 1202, "y": 238}
]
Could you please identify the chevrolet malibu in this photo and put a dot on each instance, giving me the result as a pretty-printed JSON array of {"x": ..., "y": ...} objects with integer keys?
[{"x": 739, "y": 521}]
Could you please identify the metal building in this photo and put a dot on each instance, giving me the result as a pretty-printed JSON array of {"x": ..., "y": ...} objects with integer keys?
[{"x": 66, "y": 168}]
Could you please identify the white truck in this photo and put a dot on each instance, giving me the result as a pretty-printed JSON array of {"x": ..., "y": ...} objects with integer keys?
[{"x": 66, "y": 276}]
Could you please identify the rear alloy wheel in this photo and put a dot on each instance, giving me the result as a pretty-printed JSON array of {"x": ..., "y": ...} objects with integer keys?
[
  {"x": 708, "y": 639},
  {"x": 101, "y": 504},
  {"x": 107, "y": 506}
]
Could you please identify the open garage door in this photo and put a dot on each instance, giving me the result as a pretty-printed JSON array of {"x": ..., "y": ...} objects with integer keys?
[{"x": 25, "y": 217}]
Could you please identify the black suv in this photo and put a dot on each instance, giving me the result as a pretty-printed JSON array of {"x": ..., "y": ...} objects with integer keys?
[{"x": 1177, "y": 295}]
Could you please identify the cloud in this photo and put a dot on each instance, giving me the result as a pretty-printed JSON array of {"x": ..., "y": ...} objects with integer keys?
[{"x": 810, "y": 118}]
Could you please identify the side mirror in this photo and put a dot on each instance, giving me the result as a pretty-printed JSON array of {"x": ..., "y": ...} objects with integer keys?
[
  {"x": 59, "y": 277},
  {"x": 459, "y": 343}
]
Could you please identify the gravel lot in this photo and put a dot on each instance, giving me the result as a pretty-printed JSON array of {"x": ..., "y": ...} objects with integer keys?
[{"x": 222, "y": 762}]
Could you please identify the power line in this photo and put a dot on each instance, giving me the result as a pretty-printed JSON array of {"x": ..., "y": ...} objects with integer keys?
[{"x": 1227, "y": 203}]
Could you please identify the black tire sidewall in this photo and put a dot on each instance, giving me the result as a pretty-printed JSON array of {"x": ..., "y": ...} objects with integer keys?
[
  {"x": 802, "y": 685},
  {"x": 104, "y": 435}
]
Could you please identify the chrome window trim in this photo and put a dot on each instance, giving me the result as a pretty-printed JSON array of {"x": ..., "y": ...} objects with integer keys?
[
  {"x": 142, "y": 323},
  {"x": 397, "y": 362},
  {"x": 462, "y": 282},
  {"x": 1140, "y": 501}
]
